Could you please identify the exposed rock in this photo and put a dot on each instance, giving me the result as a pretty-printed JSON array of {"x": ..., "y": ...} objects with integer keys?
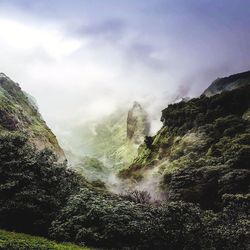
[{"x": 138, "y": 125}]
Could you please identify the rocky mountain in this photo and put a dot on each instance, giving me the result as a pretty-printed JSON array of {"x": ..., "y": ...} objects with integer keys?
[
  {"x": 202, "y": 151},
  {"x": 19, "y": 113},
  {"x": 113, "y": 139},
  {"x": 228, "y": 83}
]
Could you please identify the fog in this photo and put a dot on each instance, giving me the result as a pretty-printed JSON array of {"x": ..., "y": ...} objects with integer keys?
[{"x": 83, "y": 60}]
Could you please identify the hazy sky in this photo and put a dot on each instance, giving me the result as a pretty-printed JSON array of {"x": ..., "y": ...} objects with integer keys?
[{"x": 82, "y": 58}]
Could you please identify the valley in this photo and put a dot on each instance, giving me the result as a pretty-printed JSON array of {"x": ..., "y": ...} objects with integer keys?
[{"x": 189, "y": 181}]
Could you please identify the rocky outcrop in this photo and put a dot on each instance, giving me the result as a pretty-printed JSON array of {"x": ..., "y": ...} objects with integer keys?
[
  {"x": 19, "y": 114},
  {"x": 138, "y": 125},
  {"x": 228, "y": 83}
]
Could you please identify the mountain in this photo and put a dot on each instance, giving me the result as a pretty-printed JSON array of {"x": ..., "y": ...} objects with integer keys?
[
  {"x": 113, "y": 140},
  {"x": 201, "y": 155},
  {"x": 19, "y": 113},
  {"x": 202, "y": 151},
  {"x": 228, "y": 83}
]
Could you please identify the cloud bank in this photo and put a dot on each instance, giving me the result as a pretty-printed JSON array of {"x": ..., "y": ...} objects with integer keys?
[{"x": 83, "y": 59}]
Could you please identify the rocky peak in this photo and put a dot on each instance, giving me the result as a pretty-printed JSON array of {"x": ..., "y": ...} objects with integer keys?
[
  {"x": 137, "y": 123},
  {"x": 228, "y": 83},
  {"x": 2, "y": 75}
]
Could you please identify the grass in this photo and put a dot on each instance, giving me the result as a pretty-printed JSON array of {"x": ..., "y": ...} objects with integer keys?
[{"x": 19, "y": 241}]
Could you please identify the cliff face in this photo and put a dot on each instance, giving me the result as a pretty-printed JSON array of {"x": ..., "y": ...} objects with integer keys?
[
  {"x": 19, "y": 113},
  {"x": 137, "y": 124},
  {"x": 228, "y": 83},
  {"x": 202, "y": 152}
]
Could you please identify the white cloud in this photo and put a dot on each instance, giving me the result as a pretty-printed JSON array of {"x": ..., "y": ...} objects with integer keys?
[
  {"x": 73, "y": 78},
  {"x": 20, "y": 36}
]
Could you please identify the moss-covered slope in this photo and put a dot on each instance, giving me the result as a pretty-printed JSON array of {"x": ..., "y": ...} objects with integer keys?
[
  {"x": 19, "y": 113},
  {"x": 202, "y": 151}
]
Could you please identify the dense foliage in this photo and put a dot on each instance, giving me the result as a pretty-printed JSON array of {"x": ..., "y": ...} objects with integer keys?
[
  {"x": 33, "y": 185},
  {"x": 202, "y": 151},
  {"x": 36, "y": 193},
  {"x": 203, "y": 155},
  {"x": 181, "y": 117},
  {"x": 103, "y": 220}
]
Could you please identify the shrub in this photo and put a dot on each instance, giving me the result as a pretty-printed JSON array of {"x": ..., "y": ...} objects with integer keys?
[
  {"x": 137, "y": 196},
  {"x": 103, "y": 220}
]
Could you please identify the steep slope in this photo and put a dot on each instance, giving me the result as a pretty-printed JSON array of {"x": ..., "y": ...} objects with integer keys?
[
  {"x": 202, "y": 152},
  {"x": 228, "y": 83},
  {"x": 18, "y": 112}
]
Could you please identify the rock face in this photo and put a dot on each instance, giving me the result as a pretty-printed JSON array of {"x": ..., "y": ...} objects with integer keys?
[
  {"x": 202, "y": 152},
  {"x": 19, "y": 113},
  {"x": 137, "y": 124},
  {"x": 228, "y": 83}
]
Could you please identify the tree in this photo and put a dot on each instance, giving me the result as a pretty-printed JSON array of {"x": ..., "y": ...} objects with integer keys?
[{"x": 33, "y": 185}]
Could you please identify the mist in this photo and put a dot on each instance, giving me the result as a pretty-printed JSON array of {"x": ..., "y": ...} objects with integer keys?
[{"x": 82, "y": 61}]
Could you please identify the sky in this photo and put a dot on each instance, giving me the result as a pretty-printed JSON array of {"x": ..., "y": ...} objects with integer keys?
[{"x": 82, "y": 59}]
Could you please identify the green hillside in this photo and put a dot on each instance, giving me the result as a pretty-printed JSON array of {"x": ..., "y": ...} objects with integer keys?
[
  {"x": 202, "y": 151},
  {"x": 18, "y": 113},
  {"x": 18, "y": 241}
]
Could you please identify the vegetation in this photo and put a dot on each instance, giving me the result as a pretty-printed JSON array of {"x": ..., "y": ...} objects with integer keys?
[
  {"x": 92, "y": 168},
  {"x": 103, "y": 220},
  {"x": 203, "y": 150},
  {"x": 137, "y": 196},
  {"x": 113, "y": 138},
  {"x": 106, "y": 139},
  {"x": 202, "y": 153},
  {"x": 34, "y": 186},
  {"x": 18, "y": 241},
  {"x": 183, "y": 116},
  {"x": 19, "y": 113},
  {"x": 39, "y": 195}
]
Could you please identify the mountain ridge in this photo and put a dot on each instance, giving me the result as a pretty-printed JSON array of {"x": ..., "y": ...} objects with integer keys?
[
  {"x": 228, "y": 83},
  {"x": 19, "y": 113},
  {"x": 202, "y": 150}
]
